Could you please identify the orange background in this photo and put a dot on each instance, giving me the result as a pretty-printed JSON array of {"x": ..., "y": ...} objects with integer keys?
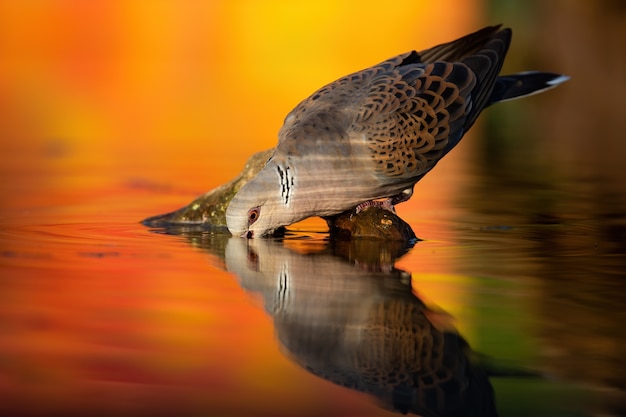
[
  {"x": 114, "y": 111},
  {"x": 170, "y": 81}
]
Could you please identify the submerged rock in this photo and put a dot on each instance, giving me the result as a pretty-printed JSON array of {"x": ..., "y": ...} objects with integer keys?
[
  {"x": 208, "y": 212},
  {"x": 372, "y": 222}
]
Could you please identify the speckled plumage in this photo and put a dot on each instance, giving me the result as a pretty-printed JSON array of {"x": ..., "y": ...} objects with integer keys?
[{"x": 375, "y": 133}]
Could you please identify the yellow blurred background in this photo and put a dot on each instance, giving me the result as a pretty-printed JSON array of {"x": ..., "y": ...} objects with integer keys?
[{"x": 172, "y": 80}]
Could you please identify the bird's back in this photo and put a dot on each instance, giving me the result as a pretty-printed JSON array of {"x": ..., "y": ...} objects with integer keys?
[{"x": 407, "y": 112}]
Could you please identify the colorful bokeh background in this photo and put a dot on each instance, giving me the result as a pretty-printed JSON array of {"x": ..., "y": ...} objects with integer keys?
[
  {"x": 112, "y": 111},
  {"x": 169, "y": 80}
]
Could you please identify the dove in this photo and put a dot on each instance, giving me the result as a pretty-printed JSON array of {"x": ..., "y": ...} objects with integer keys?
[{"x": 371, "y": 135}]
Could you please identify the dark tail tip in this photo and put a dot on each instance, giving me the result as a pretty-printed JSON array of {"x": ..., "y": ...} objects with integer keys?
[{"x": 510, "y": 87}]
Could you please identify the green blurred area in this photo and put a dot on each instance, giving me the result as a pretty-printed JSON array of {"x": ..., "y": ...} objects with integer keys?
[
  {"x": 550, "y": 168},
  {"x": 578, "y": 128}
]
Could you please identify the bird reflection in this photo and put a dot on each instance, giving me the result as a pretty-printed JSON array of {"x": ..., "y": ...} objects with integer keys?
[
  {"x": 346, "y": 314},
  {"x": 363, "y": 328}
]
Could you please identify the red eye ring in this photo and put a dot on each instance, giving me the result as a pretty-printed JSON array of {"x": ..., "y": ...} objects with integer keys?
[{"x": 253, "y": 214}]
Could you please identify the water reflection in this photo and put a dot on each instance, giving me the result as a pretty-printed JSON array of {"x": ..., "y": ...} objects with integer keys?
[{"x": 346, "y": 314}]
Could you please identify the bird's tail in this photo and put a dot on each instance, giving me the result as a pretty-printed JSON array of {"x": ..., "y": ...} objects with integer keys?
[{"x": 510, "y": 87}]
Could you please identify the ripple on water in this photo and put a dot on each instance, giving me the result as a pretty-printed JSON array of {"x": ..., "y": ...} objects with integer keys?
[{"x": 62, "y": 242}]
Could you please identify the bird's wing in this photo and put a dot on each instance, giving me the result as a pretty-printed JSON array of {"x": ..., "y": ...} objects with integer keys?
[
  {"x": 461, "y": 48},
  {"x": 410, "y": 110},
  {"x": 413, "y": 115},
  {"x": 416, "y": 112}
]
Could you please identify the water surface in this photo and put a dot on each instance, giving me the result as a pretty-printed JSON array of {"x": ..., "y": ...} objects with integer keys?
[{"x": 521, "y": 274}]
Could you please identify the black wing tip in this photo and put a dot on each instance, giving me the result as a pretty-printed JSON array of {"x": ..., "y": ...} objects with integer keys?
[{"x": 489, "y": 31}]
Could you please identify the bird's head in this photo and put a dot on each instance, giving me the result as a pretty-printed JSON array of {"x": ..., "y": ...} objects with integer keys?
[{"x": 260, "y": 207}]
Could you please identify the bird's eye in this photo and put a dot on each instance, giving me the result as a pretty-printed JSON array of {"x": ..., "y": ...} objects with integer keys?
[{"x": 253, "y": 215}]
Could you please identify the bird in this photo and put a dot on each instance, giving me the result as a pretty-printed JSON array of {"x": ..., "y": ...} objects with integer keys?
[{"x": 371, "y": 135}]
